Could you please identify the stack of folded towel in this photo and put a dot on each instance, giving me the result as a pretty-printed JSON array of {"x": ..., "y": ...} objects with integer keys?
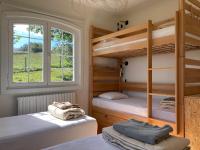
[
  {"x": 65, "y": 110},
  {"x": 168, "y": 104},
  {"x": 135, "y": 135}
]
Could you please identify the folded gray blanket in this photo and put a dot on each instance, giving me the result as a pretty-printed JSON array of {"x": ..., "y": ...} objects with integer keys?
[
  {"x": 125, "y": 143},
  {"x": 143, "y": 132}
]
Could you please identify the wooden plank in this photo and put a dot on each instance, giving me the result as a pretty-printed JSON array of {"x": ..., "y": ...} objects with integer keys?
[
  {"x": 192, "y": 119},
  {"x": 177, "y": 46},
  {"x": 97, "y": 32},
  {"x": 118, "y": 41},
  {"x": 162, "y": 68},
  {"x": 192, "y": 75},
  {"x": 149, "y": 62},
  {"x": 105, "y": 86},
  {"x": 162, "y": 94},
  {"x": 117, "y": 116},
  {"x": 195, "y": 30},
  {"x": 135, "y": 29},
  {"x": 192, "y": 62},
  {"x": 195, "y": 2},
  {"x": 164, "y": 23},
  {"x": 192, "y": 10},
  {"x": 192, "y": 89},
  {"x": 181, "y": 67},
  {"x": 142, "y": 87},
  {"x": 192, "y": 41},
  {"x": 91, "y": 36}
]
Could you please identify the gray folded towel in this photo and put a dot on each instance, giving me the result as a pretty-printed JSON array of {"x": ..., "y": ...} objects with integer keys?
[
  {"x": 125, "y": 143},
  {"x": 143, "y": 132}
]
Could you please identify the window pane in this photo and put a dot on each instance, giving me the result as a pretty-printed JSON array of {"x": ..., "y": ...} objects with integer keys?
[
  {"x": 67, "y": 74},
  {"x": 20, "y": 44},
  {"x": 36, "y": 53},
  {"x": 67, "y": 37},
  {"x": 28, "y": 46},
  {"x": 68, "y": 62},
  {"x": 56, "y": 34},
  {"x": 21, "y": 30},
  {"x": 35, "y": 75},
  {"x": 36, "y": 31},
  {"x": 56, "y": 61},
  {"x": 56, "y": 47},
  {"x": 20, "y": 67},
  {"x": 68, "y": 49},
  {"x": 61, "y": 56},
  {"x": 56, "y": 75}
]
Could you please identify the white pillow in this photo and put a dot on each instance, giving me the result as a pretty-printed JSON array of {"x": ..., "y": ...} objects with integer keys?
[{"x": 113, "y": 95}]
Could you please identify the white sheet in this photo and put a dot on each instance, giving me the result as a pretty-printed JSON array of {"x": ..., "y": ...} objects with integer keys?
[
  {"x": 40, "y": 130},
  {"x": 134, "y": 105},
  {"x": 97, "y": 143},
  {"x": 91, "y": 143},
  {"x": 164, "y": 32}
]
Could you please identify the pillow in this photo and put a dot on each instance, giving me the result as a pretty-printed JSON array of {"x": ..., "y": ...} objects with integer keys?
[{"x": 113, "y": 95}]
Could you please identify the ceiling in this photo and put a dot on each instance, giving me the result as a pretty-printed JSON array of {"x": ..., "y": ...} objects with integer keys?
[{"x": 115, "y": 6}]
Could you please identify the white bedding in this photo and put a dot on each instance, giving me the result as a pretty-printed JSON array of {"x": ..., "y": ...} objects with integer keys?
[
  {"x": 164, "y": 32},
  {"x": 40, "y": 130},
  {"x": 91, "y": 143},
  {"x": 98, "y": 143},
  {"x": 134, "y": 105}
]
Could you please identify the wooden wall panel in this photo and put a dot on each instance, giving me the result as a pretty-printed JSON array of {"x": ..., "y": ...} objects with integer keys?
[{"x": 192, "y": 121}]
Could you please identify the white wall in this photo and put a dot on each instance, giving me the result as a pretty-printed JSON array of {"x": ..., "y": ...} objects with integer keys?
[{"x": 8, "y": 102}]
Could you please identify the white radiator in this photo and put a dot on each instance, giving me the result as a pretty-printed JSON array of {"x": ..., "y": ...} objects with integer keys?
[{"x": 39, "y": 103}]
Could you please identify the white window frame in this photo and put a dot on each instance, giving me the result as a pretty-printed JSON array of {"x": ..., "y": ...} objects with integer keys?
[{"x": 10, "y": 18}]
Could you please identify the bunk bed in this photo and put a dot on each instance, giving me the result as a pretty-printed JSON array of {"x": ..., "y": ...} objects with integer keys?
[{"x": 175, "y": 35}]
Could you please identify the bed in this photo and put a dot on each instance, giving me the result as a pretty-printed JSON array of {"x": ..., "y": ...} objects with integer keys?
[
  {"x": 134, "y": 105},
  {"x": 40, "y": 130},
  {"x": 156, "y": 34},
  {"x": 91, "y": 143}
]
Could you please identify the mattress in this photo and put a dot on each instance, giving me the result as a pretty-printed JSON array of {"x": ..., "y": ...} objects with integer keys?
[
  {"x": 98, "y": 143},
  {"x": 164, "y": 32},
  {"x": 40, "y": 130},
  {"x": 135, "y": 105},
  {"x": 91, "y": 143}
]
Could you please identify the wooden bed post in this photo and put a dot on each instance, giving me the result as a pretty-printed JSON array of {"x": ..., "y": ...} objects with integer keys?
[
  {"x": 91, "y": 36},
  {"x": 149, "y": 69},
  {"x": 181, "y": 68}
]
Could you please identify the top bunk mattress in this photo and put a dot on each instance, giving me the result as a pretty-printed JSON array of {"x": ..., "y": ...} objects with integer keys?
[
  {"x": 164, "y": 32},
  {"x": 135, "y": 105},
  {"x": 159, "y": 33}
]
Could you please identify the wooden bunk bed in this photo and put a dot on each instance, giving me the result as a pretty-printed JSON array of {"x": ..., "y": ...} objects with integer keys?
[{"x": 179, "y": 35}]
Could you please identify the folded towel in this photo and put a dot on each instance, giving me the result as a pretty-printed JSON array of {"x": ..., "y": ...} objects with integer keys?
[
  {"x": 65, "y": 105},
  {"x": 143, "y": 131},
  {"x": 66, "y": 114},
  {"x": 125, "y": 143}
]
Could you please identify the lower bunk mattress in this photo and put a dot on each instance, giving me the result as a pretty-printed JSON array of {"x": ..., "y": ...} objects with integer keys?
[
  {"x": 40, "y": 130},
  {"x": 135, "y": 105},
  {"x": 91, "y": 143}
]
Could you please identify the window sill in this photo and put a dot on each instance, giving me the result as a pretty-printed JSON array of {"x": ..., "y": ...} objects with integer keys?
[{"x": 41, "y": 89}]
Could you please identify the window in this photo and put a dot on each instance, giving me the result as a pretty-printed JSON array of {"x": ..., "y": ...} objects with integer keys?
[
  {"x": 41, "y": 53},
  {"x": 62, "y": 59},
  {"x": 28, "y": 43}
]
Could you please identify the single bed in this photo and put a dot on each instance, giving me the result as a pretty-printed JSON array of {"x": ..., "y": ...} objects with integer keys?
[
  {"x": 135, "y": 105},
  {"x": 91, "y": 143},
  {"x": 40, "y": 130}
]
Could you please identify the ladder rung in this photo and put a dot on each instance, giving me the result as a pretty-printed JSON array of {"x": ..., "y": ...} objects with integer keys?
[
  {"x": 165, "y": 68},
  {"x": 162, "y": 94}
]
